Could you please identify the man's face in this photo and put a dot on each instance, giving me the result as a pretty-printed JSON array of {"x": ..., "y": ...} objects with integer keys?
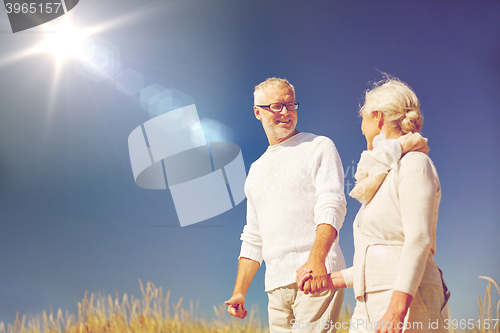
[{"x": 278, "y": 126}]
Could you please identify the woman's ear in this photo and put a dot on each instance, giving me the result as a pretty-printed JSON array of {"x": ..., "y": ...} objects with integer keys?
[{"x": 379, "y": 117}]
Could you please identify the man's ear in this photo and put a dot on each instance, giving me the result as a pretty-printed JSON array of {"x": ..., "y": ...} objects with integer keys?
[{"x": 256, "y": 111}]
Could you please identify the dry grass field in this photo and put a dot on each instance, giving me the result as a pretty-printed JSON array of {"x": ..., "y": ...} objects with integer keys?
[
  {"x": 487, "y": 310},
  {"x": 153, "y": 314}
]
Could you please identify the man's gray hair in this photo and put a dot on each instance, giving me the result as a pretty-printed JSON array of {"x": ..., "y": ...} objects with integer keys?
[{"x": 258, "y": 94}]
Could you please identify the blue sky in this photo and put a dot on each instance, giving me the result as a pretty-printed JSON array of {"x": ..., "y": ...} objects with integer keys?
[{"x": 72, "y": 218}]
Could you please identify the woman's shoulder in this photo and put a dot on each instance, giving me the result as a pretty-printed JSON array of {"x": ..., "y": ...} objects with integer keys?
[
  {"x": 413, "y": 157},
  {"x": 416, "y": 161}
]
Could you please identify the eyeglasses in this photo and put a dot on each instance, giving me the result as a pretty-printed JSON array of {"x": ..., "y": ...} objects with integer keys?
[{"x": 277, "y": 107}]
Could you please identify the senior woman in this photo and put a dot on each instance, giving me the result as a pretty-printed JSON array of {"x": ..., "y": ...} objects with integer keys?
[{"x": 396, "y": 282}]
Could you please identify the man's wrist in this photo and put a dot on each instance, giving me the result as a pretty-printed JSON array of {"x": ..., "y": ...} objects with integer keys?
[
  {"x": 317, "y": 258},
  {"x": 317, "y": 261},
  {"x": 238, "y": 293}
]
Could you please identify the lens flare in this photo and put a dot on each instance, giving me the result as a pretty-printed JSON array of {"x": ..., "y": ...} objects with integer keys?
[{"x": 64, "y": 41}]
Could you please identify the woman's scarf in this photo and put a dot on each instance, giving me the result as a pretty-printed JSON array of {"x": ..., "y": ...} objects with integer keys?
[{"x": 374, "y": 164}]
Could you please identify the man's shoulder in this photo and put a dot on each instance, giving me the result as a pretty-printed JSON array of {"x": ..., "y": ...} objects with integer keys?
[
  {"x": 259, "y": 161},
  {"x": 320, "y": 142},
  {"x": 315, "y": 139},
  {"x": 302, "y": 143}
]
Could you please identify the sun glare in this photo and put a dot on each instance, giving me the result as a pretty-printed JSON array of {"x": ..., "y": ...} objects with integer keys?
[
  {"x": 64, "y": 44},
  {"x": 64, "y": 41}
]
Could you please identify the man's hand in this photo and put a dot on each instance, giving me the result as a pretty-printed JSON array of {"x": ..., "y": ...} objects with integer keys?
[
  {"x": 236, "y": 306},
  {"x": 317, "y": 280}
]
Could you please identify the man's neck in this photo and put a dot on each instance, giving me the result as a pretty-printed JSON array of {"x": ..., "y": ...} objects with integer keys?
[{"x": 273, "y": 141}]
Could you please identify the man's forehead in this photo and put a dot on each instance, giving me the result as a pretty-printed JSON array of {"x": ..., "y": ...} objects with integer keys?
[{"x": 277, "y": 91}]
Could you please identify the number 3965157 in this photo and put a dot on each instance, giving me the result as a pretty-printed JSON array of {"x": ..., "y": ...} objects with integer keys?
[
  {"x": 471, "y": 324},
  {"x": 32, "y": 8}
]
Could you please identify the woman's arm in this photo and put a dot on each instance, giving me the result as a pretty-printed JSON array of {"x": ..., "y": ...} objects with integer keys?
[{"x": 419, "y": 196}]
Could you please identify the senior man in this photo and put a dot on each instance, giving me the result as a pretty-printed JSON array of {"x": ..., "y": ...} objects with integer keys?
[{"x": 295, "y": 209}]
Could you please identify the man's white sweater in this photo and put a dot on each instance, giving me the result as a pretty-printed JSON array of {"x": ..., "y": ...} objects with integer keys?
[{"x": 291, "y": 189}]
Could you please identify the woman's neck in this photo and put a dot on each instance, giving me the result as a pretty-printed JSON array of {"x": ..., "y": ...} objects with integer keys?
[{"x": 390, "y": 133}]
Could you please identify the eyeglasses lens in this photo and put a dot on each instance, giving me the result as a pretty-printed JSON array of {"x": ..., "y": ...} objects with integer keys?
[{"x": 277, "y": 107}]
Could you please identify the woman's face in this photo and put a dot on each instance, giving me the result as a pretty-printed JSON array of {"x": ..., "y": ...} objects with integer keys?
[{"x": 370, "y": 126}]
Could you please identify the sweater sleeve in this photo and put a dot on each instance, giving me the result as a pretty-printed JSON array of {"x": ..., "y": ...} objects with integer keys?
[
  {"x": 348, "y": 275},
  {"x": 328, "y": 179},
  {"x": 419, "y": 198},
  {"x": 251, "y": 245}
]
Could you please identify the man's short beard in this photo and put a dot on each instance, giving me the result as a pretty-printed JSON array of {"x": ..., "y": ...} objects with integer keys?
[{"x": 276, "y": 132}]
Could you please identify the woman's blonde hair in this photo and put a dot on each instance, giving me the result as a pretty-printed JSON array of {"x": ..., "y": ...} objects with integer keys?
[{"x": 399, "y": 104}]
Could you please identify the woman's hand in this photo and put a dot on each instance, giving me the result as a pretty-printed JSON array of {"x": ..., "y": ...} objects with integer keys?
[
  {"x": 317, "y": 278},
  {"x": 394, "y": 317},
  {"x": 303, "y": 275}
]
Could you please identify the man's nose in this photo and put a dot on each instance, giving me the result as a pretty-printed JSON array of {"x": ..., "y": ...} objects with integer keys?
[{"x": 284, "y": 111}]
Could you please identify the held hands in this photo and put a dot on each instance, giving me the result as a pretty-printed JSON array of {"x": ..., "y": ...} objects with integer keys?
[
  {"x": 312, "y": 277},
  {"x": 236, "y": 306},
  {"x": 334, "y": 280}
]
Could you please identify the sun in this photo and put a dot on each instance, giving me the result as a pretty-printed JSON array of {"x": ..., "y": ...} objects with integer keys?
[
  {"x": 65, "y": 41},
  {"x": 64, "y": 44}
]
